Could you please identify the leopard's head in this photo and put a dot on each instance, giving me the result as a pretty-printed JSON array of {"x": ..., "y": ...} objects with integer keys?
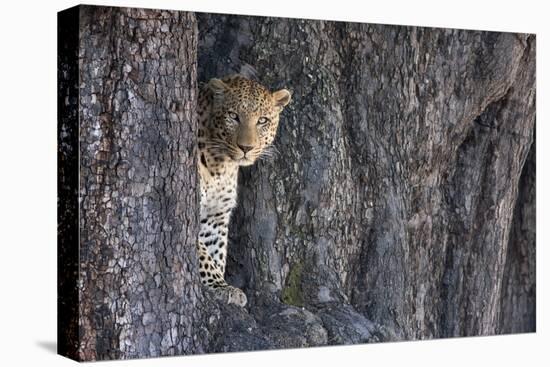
[{"x": 244, "y": 118}]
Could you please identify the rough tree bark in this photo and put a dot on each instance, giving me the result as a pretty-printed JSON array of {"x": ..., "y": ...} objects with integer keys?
[
  {"x": 137, "y": 178},
  {"x": 396, "y": 187},
  {"x": 519, "y": 283},
  {"x": 398, "y": 208},
  {"x": 138, "y": 205}
]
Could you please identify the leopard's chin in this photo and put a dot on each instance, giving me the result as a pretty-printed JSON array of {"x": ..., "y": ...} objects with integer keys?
[{"x": 245, "y": 162}]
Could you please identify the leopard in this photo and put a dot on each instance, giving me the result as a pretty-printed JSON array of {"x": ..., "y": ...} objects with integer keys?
[{"x": 238, "y": 121}]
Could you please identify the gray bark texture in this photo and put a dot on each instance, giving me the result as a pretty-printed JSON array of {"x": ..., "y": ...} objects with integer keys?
[
  {"x": 400, "y": 193},
  {"x": 138, "y": 198},
  {"x": 401, "y": 205}
]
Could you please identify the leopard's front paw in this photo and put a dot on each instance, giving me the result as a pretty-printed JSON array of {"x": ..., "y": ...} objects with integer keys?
[
  {"x": 229, "y": 294},
  {"x": 235, "y": 296}
]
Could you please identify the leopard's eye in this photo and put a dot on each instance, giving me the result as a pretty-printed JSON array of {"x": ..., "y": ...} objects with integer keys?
[
  {"x": 233, "y": 116},
  {"x": 263, "y": 120}
]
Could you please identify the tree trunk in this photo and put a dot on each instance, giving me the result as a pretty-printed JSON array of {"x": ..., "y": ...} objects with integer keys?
[
  {"x": 396, "y": 185},
  {"x": 398, "y": 208},
  {"x": 137, "y": 184}
]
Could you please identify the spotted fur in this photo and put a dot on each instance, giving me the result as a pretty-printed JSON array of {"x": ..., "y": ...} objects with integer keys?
[{"x": 238, "y": 120}]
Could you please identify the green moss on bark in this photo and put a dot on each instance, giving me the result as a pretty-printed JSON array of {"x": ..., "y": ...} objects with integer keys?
[{"x": 292, "y": 292}]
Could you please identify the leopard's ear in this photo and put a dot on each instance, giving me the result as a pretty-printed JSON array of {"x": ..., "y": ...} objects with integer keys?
[
  {"x": 281, "y": 98},
  {"x": 217, "y": 86}
]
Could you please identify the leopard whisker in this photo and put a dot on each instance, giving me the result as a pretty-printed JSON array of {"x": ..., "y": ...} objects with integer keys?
[
  {"x": 270, "y": 151},
  {"x": 268, "y": 155}
]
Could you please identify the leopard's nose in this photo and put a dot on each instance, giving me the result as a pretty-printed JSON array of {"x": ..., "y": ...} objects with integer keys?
[{"x": 245, "y": 148}]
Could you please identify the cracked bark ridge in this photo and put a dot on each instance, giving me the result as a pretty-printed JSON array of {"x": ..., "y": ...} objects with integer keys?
[
  {"x": 518, "y": 313},
  {"x": 396, "y": 187},
  {"x": 401, "y": 205}
]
